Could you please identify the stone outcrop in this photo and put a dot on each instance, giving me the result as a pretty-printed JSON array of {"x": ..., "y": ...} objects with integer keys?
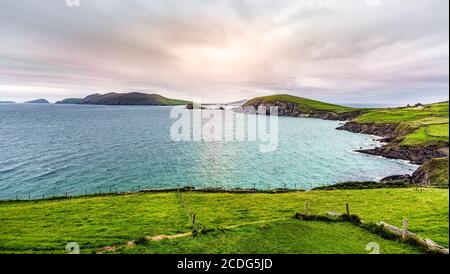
[
  {"x": 388, "y": 131},
  {"x": 416, "y": 155},
  {"x": 393, "y": 150},
  {"x": 294, "y": 110}
]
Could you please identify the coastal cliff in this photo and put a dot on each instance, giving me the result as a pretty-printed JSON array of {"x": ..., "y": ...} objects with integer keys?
[
  {"x": 293, "y": 106},
  {"x": 393, "y": 134},
  {"x": 404, "y": 130}
]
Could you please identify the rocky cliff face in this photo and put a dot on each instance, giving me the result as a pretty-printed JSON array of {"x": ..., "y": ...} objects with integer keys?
[
  {"x": 432, "y": 172},
  {"x": 387, "y": 131},
  {"x": 416, "y": 155},
  {"x": 293, "y": 110},
  {"x": 390, "y": 132}
]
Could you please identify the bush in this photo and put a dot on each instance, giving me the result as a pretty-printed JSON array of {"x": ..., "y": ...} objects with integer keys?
[
  {"x": 354, "y": 219},
  {"x": 140, "y": 241}
]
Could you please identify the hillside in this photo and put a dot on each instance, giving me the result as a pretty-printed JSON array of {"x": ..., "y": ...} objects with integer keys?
[
  {"x": 133, "y": 98},
  {"x": 293, "y": 106},
  {"x": 46, "y": 226},
  {"x": 417, "y": 133},
  {"x": 419, "y": 125},
  {"x": 303, "y": 104}
]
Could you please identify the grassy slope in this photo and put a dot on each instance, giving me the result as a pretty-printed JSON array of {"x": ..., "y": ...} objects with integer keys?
[
  {"x": 437, "y": 170},
  {"x": 132, "y": 98},
  {"x": 46, "y": 226},
  {"x": 283, "y": 237},
  {"x": 304, "y": 104},
  {"x": 430, "y": 123}
]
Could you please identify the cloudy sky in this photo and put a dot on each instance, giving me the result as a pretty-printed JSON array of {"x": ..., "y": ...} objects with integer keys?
[{"x": 343, "y": 51}]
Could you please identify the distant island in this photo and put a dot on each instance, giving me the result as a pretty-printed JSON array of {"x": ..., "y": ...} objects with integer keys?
[
  {"x": 38, "y": 101},
  {"x": 133, "y": 98},
  {"x": 71, "y": 101},
  {"x": 7, "y": 102}
]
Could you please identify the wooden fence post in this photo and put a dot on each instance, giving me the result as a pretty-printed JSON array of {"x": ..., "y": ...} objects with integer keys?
[
  {"x": 405, "y": 229},
  {"x": 193, "y": 220},
  {"x": 347, "y": 209},
  {"x": 306, "y": 207}
]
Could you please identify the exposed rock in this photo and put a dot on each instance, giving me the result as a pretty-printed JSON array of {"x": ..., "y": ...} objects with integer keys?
[
  {"x": 433, "y": 172},
  {"x": 191, "y": 106},
  {"x": 388, "y": 131},
  {"x": 428, "y": 244},
  {"x": 416, "y": 155},
  {"x": 293, "y": 110}
]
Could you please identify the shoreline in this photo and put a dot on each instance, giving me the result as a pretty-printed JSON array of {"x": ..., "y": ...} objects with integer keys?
[{"x": 388, "y": 132}]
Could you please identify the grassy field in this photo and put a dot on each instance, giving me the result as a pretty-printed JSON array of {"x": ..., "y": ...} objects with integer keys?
[
  {"x": 304, "y": 104},
  {"x": 95, "y": 222},
  {"x": 282, "y": 237},
  {"x": 429, "y": 123}
]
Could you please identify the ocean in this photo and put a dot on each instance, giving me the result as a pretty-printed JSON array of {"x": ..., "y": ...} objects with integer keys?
[{"x": 49, "y": 150}]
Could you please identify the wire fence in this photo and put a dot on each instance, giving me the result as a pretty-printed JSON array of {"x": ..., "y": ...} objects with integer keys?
[{"x": 120, "y": 190}]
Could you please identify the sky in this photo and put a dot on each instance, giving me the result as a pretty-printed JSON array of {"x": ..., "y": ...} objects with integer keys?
[{"x": 340, "y": 51}]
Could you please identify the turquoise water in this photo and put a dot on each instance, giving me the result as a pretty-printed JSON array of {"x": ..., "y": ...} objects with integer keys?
[{"x": 53, "y": 149}]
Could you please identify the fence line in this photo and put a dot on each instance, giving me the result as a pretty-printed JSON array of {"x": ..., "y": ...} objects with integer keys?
[{"x": 116, "y": 190}]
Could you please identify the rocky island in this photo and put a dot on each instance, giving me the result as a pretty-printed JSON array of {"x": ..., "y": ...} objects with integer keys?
[
  {"x": 38, "y": 101},
  {"x": 132, "y": 98}
]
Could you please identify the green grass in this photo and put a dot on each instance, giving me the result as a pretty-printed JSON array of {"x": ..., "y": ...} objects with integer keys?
[
  {"x": 427, "y": 135},
  {"x": 282, "y": 237},
  {"x": 306, "y": 105},
  {"x": 429, "y": 114},
  {"x": 46, "y": 226},
  {"x": 422, "y": 125},
  {"x": 426, "y": 209}
]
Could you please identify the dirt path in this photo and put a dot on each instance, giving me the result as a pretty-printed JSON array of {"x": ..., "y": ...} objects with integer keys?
[{"x": 161, "y": 237}]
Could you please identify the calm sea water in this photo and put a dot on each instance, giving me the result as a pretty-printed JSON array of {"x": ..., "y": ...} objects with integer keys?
[{"x": 52, "y": 149}]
